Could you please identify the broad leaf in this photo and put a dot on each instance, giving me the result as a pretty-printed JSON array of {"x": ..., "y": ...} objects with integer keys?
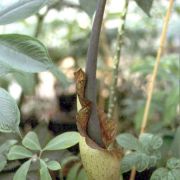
[
  {"x": 159, "y": 174},
  {"x": 145, "y": 5},
  {"x": 44, "y": 173},
  {"x": 5, "y": 69},
  {"x": 88, "y": 6},
  {"x": 138, "y": 160},
  {"x": 4, "y": 148},
  {"x": 53, "y": 165},
  {"x": 63, "y": 141},
  {"x": 156, "y": 142},
  {"x": 3, "y": 162},
  {"x": 173, "y": 163},
  {"x": 9, "y": 113},
  {"x": 31, "y": 141},
  {"x": 128, "y": 142},
  {"x": 21, "y": 173},
  {"x": 150, "y": 142},
  {"x": 19, "y": 152},
  {"x": 24, "y": 53},
  {"x": 20, "y": 10}
]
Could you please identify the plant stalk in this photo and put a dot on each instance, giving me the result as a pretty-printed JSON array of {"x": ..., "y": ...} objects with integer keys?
[
  {"x": 113, "y": 98},
  {"x": 154, "y": 74},
  {"x": 94, "y": 130}
]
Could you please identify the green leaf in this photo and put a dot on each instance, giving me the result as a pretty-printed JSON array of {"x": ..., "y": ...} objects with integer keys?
[
  {"x": 4, "y": 148},
  {"x": 138, "y": 160},
  {"x": 44, "y": 173},
  {"x": 20, "y": 10},
  {"x": 88, "y": 6},
  {"x": 24, "y": 53},
  {"x": 128, "y": 142},
  {"x": 3, "y": 162},
  {"x": 73, "y": 172},
  {"x": 82, "y": 175},
  {"x": 5, "y": 69},
  {"x": 150, "y": 142},
  {"x": 31, "y": 141},
  {"x": 173, "y": 163},
  {"x": 53, "y": 165},
  {"x": 145, "y": 5},
  {"x": 9, "y": 113},
  {"x": 156, "y": 142},
  {"x": 19, "y": 152},
  {"x": 63, "y": 141},
  {"x": 176, "y": 145},
  {"x": 159, "y": 174},
  {"x": 27, "y": 81},
  {"x": 21, "y": 173},
  {"x": 176, "y": 173}
]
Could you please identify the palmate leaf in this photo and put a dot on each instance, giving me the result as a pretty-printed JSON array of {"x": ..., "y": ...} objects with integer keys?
[
  {"x": 20, "y": 10},
  {"x": 4, "y": 148},
  {"x": 21, "y": 173},
  {"x": 44, "y": 172},
  {"x": 19, "y": 152},
  {"x": 31, "y": 141},
  {"x": 9, "y": 113},
  {"x": 63, "y": 141}
]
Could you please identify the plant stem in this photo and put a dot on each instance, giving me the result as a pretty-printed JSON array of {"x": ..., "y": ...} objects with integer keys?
[
  {"x": 94, "y": 131},
  {"x": 113, "y": 98},
  {"x": 155, "y": 70}
]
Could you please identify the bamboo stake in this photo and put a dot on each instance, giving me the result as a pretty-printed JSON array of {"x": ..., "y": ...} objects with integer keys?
[{"x": 155, "y": 70}]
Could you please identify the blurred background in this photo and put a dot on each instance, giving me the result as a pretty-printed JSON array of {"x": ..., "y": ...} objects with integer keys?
[{"x": 64, "y": 27}]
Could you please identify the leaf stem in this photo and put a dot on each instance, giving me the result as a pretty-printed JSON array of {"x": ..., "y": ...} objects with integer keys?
[
  {"x": 113, "y": 98},
  {"x": 155, "y": 70}
]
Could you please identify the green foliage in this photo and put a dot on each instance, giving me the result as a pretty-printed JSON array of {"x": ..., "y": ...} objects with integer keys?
[
  {"x": 175, "y": 149},
  {"x": 21, "y": 173},
  {"x": 19, "y": 152},
  {"x": 90, "y": 8},
  {"x": 4, "y": 148},
  {"x": 73, "y": 171},
  {"x": 20, "y": 10},
  {"x": 24, "y": 53},
  {"x": 9, "y": 113},
  {"x": 3, "y": 162},
  {"x": 145, "y": 152},
  {"x": 44, "y": 173},
  {"x": 128, "y": 142},
  {"x": 63, "y": 141},
  {"x": 27, "y": 81},
  {"x": 171, "y": 171},
  {"x": 145, "y": 5},
  {"x": 53, "y": 165},
  {"x": 31, "y": 141},
  {"x": 34, "y": 153}
]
